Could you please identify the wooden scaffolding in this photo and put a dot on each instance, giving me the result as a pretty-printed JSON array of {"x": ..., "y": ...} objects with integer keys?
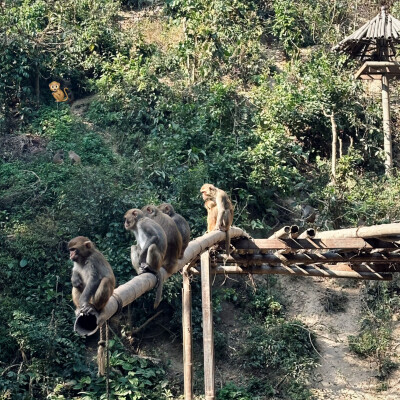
[{"x": 368, "y": 253}]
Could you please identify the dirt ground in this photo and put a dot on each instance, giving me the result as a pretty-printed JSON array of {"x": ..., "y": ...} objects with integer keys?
[{"x": 341, "y": 374}]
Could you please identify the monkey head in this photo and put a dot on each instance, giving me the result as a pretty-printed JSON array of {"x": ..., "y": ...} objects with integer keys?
[
  {"x": 208, "y": 191},
  {"x": 150, "y": 211},
  {"x": 167, "y": 208},
  {"x": 132, "y": 217},
  {"x": 54, "y": 86},
  {"x": 80, "y": 249}
]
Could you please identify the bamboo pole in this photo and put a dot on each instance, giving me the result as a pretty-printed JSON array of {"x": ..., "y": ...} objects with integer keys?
[
  {"x": 208, "y": 332},
  {"x": 334, "y": 144},
  {"x": 187, "y": 335},
  {"x": 374, "y": 231},
  {"x": 294, "y": 232},
  {"x": 387, "y": 135},
  {"x": 283, "y": 233},
  {"x": 307, "y": 234},
  {"x": 136, "y": 287}
]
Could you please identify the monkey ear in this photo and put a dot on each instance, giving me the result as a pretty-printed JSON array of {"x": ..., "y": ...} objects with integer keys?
[
  {"x": 134, "y": 213},
  {"x": 148, "y": 209},
  {"x": 88, "y": 244}
]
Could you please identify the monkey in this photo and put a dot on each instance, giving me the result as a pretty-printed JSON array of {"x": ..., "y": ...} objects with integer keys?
[
  {"x": 93, "y": 280},
  {"x": 174, "y": 238},
  {"x": 308, "y": 213},
  {"x": 223, "y": 216},
  {"x": 149, "y": 254},
  {"x": 58, "y": 157},
  {"x": 57, "y": 93},
  {"x": 181, "y": 224},
  {"x": 75, "y": 159}
]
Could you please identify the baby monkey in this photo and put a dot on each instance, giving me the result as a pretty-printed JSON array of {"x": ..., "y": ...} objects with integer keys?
[
  {"x": 219, "y": 210},
  {"x": 93, "y": 280},
  {"x": 149, "y": 254}
]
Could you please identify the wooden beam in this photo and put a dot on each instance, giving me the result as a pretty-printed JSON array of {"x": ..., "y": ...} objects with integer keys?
[
  {"x": 342, "y": 271},
  {"x": 376, "y": 259},
  {"x": 208, "y": 331},
  {"x": 247, "y": 246}
]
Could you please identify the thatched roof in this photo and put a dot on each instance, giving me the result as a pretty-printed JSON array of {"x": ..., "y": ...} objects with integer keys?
[{"x": 375, "y": 40}]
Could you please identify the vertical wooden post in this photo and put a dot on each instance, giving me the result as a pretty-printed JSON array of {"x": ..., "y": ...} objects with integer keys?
[
  {"x": 187, "y": 335},
  {"x": 387, "y": 135},
  {"x": 208, "y": 333}
]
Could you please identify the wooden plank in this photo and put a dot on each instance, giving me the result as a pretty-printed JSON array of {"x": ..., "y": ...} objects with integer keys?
[{"x": 208, "y": 332}]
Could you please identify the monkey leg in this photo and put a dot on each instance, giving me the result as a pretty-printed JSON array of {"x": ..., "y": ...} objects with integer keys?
[
  {"x": 76, "y": 294},
  {"x": 103, "y": 293}
]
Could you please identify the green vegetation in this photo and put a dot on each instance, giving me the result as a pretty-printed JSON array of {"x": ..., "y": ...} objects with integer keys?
[{"x": 234, "y": 94}]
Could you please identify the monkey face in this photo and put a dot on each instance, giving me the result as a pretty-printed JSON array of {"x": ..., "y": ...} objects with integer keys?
[
  {"x": 208, "y": 191},
  {"x": 131, "y": 218},
  {"x": 80, "y": 248},
  {"x": 54, "y": 86}
]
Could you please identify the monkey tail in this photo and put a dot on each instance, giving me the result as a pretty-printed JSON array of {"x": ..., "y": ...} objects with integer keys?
[
  {"x": 159, "y": 290},
  {"x": 227, "y": 243},
  {"x": 66, "y": 95}
]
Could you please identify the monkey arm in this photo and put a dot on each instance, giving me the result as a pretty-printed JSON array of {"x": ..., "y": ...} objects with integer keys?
[
  {"x": 91, "y": 287},
  {"x": 76, "y": 280},
  {"x": 143, "y": 253}
]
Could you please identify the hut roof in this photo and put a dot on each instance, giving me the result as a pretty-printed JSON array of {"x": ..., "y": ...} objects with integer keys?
[{"x": 375, "y": 40}]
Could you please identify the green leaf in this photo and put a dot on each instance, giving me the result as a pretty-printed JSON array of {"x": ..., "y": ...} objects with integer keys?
[{"x": 23, "y": 263}]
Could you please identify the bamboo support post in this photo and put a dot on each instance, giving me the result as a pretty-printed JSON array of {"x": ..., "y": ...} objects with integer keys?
[
  {"x": 187, "y": 335},
  {"x": 208, "y": 332},
  {"x": 387, "y": 135}
]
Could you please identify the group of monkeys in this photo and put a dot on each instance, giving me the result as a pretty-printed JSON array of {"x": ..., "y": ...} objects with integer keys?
[
  {"x": 161, "y": 235},
  {"x": 59, "y": 157}
]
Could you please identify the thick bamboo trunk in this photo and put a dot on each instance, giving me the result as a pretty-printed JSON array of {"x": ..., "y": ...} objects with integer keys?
[
  {"x": 375, "y": 231},
  {"x": 334, "y": 144},
  {"x": 283, "y": 233},
  {"x": 187, "y": 335},
  {"x": 208, "y": 331}
]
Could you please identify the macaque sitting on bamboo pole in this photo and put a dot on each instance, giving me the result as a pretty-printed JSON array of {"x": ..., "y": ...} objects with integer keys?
[{"x": 219, "y": 210}]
